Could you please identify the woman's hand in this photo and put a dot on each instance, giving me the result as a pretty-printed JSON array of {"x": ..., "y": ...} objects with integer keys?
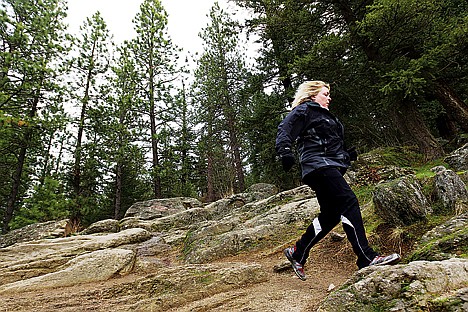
[{"x": 288, "y": 162}]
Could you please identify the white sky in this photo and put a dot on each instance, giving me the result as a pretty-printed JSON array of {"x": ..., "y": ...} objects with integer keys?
[{"x": 186, "y": 18}]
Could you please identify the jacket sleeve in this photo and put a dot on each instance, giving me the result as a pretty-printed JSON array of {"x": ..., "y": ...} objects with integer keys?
[{"x": 289, "y": 129}]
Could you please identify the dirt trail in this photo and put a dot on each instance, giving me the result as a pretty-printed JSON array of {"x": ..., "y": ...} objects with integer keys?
[
  {"x": 284, "y": 291},
  {"x": 330, "y": 263}
]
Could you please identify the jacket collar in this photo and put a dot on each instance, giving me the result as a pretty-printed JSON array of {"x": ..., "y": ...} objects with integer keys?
[{"x": 315, "y": 104}]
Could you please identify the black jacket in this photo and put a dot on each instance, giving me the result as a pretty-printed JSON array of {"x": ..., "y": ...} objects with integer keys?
[{"x": 319, "y": 136}]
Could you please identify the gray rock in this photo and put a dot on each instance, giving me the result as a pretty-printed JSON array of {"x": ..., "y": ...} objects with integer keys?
[
  {"x": 32, "y": 259},
  {"x": 250, "y": 226},
  {"x": 264, "y": 189},
  {"x": 91, "y": 267},
  {"x": 418, "y": 286},
  {"x": 401, "y": 202},
  {"x": 51, "y": 229},
  {"x": 103, "y": 226},
  {"x": 449, "y": 189},
  {"x": 158, "y": 208},
  {"x": 444, "y": 241},
  {"x": 458, "y": 160}
]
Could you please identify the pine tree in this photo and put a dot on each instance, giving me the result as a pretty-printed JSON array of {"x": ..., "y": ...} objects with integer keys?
[
  {"x": 178, "y": 145},
  {"x": 32, "y": 34},
  {"x": 122, "y": 132},
  {"x": 90, "y": 66},
  {"x": 220, "y": 78},
  {"x": 155, "y": 59}
]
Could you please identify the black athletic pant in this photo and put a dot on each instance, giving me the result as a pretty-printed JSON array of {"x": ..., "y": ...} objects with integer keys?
[{"x": 337, "y": 203}]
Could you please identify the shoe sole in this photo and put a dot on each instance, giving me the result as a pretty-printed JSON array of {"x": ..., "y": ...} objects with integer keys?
[{"x": 389, "y": 262}]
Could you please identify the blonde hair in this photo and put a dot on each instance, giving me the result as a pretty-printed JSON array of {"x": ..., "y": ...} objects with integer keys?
[{"x": 307, "y": 90}]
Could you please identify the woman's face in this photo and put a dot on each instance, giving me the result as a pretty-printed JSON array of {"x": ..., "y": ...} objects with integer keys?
[{"x": 323, "y": 97}]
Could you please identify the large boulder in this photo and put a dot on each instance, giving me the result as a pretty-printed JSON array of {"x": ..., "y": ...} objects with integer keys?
[
  {"x": 103, "y": 226},
  {"x": 458, "y": 160},
  {"x": 444, "y": 241},
  {"x": 32, "y": 259},
  {"x": 262, "y": 190},
  {"x": 417, "y": 286},
  {"x": 449, "y": 189},
  {"x": 51, "y": 229},
  {"x": 401, "y": 202},
  {"x": 96, "y": 266},
  {"x": 250, "y": 226},
  {"x": 158, "y": 208}
]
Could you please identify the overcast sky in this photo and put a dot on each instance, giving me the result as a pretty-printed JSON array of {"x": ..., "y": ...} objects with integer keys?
[{"x": 186, "y": 18}]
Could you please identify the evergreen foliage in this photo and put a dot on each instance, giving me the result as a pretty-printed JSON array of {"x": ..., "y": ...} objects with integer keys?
[
  {"x": 220, "y": 79},
  {"x": 88, "y": 69},
  {"x": 155, "y": 59},
  {"x": 88, "y": 131},
  {"x": 31, "y": 47}
]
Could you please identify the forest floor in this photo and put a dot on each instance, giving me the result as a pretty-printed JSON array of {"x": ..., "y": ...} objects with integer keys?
[{"x": 330, "y": 264}]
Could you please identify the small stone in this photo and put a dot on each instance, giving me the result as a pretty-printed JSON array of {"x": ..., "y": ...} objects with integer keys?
[
  {"x": 336, "y": 237},
  {"x": 282, "y": 266}
]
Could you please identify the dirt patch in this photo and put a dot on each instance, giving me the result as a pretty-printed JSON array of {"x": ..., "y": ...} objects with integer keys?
[{"x": 330, "y": 264}]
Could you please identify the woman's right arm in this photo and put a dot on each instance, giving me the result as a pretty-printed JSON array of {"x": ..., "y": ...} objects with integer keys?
[{"x": 289, "y": 129}]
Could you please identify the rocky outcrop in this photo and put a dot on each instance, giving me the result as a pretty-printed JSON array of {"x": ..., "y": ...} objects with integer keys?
[
  {"x": 458, "y": 160},
  {"x": 417, "y": 286},
  {"x": 449, "y": 189},
  {"x": 158, "y": 208},
  {"x": 249, "y": 225},
  {"x": 153, "y": 245},
  {"x": 44, "y": 262},
  {"x": 37, "y": 231},
  {"x": 401, "y": 202},
  {"x": 445, "y": 241},
  {"x": 187, "y": 251},
  {"x": 142, "y": 241}
]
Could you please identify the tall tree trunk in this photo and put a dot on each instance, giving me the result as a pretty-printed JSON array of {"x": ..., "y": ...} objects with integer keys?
[
  {"x": 239, "y": 179},
  {"x": 210, "y": 194},
  {"x": 76, "y": 182},
  {"x": 155, "y": 152},
  {"x": 154, "y": 140},
  {"x": 16, "y": 183},
  {"x": 20, "y": 165},
  {"x": 453, "y": 104},
  {"x": 239, "y": 183},
  {"x": 118, "y": 191},
  {"x": 118, "y": 171},
  {"x": 185, "y": 150},
  {"x": 413, "y": 129}
]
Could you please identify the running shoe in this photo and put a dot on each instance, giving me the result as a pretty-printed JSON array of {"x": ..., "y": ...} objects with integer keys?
[
  {"x": 386, "y": 260},
  {"x": 297, "y": 267}
]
